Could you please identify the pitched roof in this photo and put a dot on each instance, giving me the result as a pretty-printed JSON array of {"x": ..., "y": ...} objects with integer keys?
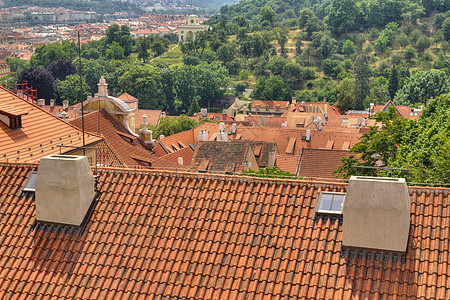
[
  {"x": 184, "y": 235},
  {"x": 186, "y": 153},
  {"x": 41, "y": 132},
  {"x": 126, "y": 97},
  {"x": 152, "y": 116},
  {"x": 220, "y": 156},
  {"x": 270, "y": 104},
  {"x": 287, "y": 163},
  {"x": 127, "y": 147},
  {"x": 261, "y": 151},
  {"x": 320, "y": 163}
]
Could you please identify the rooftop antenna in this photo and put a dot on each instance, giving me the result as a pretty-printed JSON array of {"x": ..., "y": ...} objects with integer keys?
[{"x": 81, "y": 93}]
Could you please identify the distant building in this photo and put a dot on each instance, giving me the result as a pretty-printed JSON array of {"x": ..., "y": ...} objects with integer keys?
[{"x": 190, "y": 30}]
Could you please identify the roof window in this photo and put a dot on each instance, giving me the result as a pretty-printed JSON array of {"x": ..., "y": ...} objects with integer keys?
[
  {"x": 344, "y": 121},
  {"x": 29, "y": 185},
  {"x": 330, "y": 203}
]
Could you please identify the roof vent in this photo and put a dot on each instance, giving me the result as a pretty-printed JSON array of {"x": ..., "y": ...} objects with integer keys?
[
  {"x": 376, "y": 214},
  {"x": 64, "y": 189},
  {"x": 65, "y": 104},
  {"x": 222, "y": 136}
]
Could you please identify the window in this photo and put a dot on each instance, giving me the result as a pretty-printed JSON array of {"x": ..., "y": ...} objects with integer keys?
[
  {"x": 330, "y": 203},
  {"x": 344, "y": 121},
  {"x": 30, "y": 184}
]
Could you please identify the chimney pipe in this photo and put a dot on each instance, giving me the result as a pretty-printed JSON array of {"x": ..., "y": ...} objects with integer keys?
[
  {"x": 41, "y": 102},
  {"x": 221, "y": 126},
  {"x": 65, "y": 104},
  {"x": 272, "y": 158},
  {"x": 161, "y": 136},
  {"x": 52, "y": 102},
  {"x": 64, "y": 189},
  {"x": 222, "y": 136},
  {"x": 203, "y": 136},
  {"x": 376, "y": 214},
  {"x": 234, "y": 128},
  {"x": 144, "y": 120}
]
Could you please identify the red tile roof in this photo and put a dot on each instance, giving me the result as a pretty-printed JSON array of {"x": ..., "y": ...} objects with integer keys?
[
  {"x": 152, "y": 117},
  {"x": 287, "y": 163},
  {"x": 129, "y": 150},
  {"x": 192, "y": 236},
  {"x": 186, "y": 153},
  {"x": 320, "y": 163},
  {"x": 41, "y": 132},
  {"x": 270, "y": 104}
]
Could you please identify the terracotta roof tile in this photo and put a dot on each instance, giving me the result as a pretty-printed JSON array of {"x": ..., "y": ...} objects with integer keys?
[
  {"x": 40, "y": 135},
  {"x": 181, "y": 235},
  {"x": 320, "y": 163},
  {"x": 287, "y": 163},
  {"x": 128, "y": 149}
]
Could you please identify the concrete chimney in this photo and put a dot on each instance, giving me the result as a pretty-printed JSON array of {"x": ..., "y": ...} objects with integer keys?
[
  {"x": 146, "y": 136},
  {"x": 161, "y": 136},
  {"x": 203, "y": 112},
  {"x": 144, "y": 120},
  {"x": 41, "y": 102},
  {"x": 376, "y": 214},
  {"x": 52, "y": 102},
  {"x": 203, "y": 136},
  {"x": 222, "y": 136},
  {"x": 308, "y": 135},
  {"x": 233, "y": 128},
  {"x": 65, "y": 104},
  {"x": 221, "y": 126},
  {"x": 180, "y": 160},
  {"x": 163, "y": 114},
  {"x": 64, "y": 189},
  {"x": 294, "y": 102},
  {"x": 272, "y": 158},
  {"x": 102, "y": 87}
]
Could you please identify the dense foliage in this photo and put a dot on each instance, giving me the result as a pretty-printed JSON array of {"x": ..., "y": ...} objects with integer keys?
[
  {"x": 273, "y": 172},
  {"x": 421, "y": 146}
]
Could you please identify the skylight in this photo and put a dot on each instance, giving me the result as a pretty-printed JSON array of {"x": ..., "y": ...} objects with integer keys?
[
  {"x": 330, "y": 203},
  {"x": 29, "y": 185}
]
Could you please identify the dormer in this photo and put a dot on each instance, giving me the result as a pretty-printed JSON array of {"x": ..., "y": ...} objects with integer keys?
[{"x": 11, "y": 116}]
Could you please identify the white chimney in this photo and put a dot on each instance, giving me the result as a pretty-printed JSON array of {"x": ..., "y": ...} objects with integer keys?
[
  {"x": 222, "y": 136},
  {"x": 163, "y": 114},
  {"x": 64, "y": 189},
  {"x": 203, "y": 136},
  {"x": 203, "y": 112},
  {"x": 221, "y": 126},
  {"x": 372, "y": 107},
  {"x": 234, "y": 128},
  {"x": 102, "y": 87},
  {"x": 52, "y": 102},
  {"x": 161, "y": 136},
  {"x": 376, "y": 214},
  {"x": 308, "y": 135},
  {"x": 65, "y": 104},
  {"x": 180, "y": 160},
  {"x": 144, "y": 120},
  {"x": 41, "y": 102}
]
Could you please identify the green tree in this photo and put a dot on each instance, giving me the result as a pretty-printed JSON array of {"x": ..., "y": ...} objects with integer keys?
[
  {"x": 142, "y": 47},
  {"x": 393, "y": 82},
  {"x": 346, "y": 94},
  {"x": 423, "y": 43},
  {"x": 144, "y": 82},
  {"x": 422, "y": 86},
  {"x": 282, "y": 38},
  {"x": 194, "y": 108},
  {"x": 446, "y": 29},
  {"x": 410, "y": 53},
  {"x": 170, "y": 126},
  {"x": 267, "y": 14},
  {"x": 362, "y": 75},
  {"x": 348, "y": 48},
  {"x": 70, "y": 89},
  {"x": 402, "y": 40},
  {"x": 342, "y": 15},
  {"x": 274, "y": 88},
  {"x": 44, "y": 55},
  {"x": 115, "y": 51}
]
